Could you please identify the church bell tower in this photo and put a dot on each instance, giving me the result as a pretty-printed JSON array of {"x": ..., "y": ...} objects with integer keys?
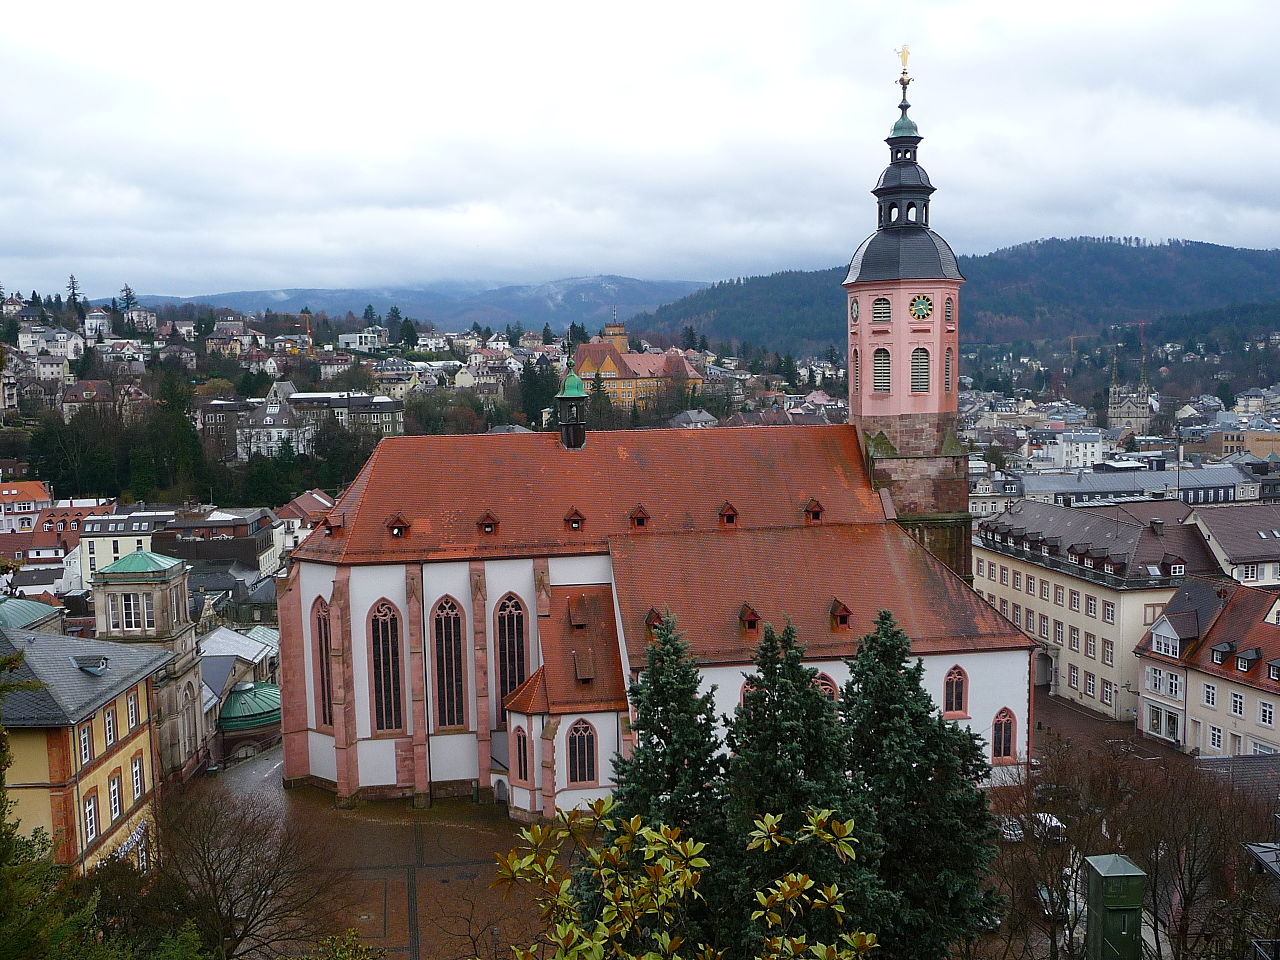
[{"x": 903, "y": 292}]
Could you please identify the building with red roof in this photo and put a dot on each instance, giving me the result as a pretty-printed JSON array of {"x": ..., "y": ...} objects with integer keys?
[
  {"x": 468, "y": 615},
  {"x": 20, "y": 504},
  {"x": 1210, "y": 670}
]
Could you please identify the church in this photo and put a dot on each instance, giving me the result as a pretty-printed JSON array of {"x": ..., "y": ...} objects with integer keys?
[{"x": 467, "y": 618}]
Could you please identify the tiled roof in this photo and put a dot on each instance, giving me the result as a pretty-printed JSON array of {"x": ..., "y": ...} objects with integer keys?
[
  {"x": 1244, "y": 531},
  {"x": 582, "y": 669},
  {"x": 66, "y": 537},
  {"x": 22, "y": 491},
  {"x": 442, "y": 485},
  {"x": 70, "y": 693},
  {"x": 590, "y": 356},
  {"x": 12, "y": 544},
  {"x": 799, "y": 573},
  {"x": 309, "y": 506},
  {"x": 1226, "y": 613}
]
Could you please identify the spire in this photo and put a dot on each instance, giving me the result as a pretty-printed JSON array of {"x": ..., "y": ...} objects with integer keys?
[
  {"x": 571, "y": 407},
  {"x": 1115, "y": 368},
  {"x": 905, "y": 127}
]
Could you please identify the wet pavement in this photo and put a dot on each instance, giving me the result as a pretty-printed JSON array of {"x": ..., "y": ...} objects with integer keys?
[
  {"x": 422, "y": 877},
  {"x": 1080, "y": 727}
]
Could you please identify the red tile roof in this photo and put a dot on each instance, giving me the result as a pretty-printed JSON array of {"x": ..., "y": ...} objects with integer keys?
[
  {"x": 705, "y": 578},
  {"x": 443, "y": 484},
  {"x": 582, "y": 668},
  {"x": 308, "y": 506},
  {"x": 590, "y": 356},
  {"x": 66, "y": 537},
  {"x": 12, "y": 544},
  {"x": 24, "y": 491}
]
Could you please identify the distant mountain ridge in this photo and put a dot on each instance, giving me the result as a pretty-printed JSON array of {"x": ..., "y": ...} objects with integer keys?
[
  {"x": 1043, "y": 289},
  {"x": 452, "y": 305}
]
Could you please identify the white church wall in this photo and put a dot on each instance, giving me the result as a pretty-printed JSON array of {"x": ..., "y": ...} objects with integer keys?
[
  {"x": 440, "y": 580},
  {"x": 608, "y": 743},
  {"x": 314, "y": 580},
  {"x": 570, "y": 571},
  {"x": 324, "y": 758},
  {"x": 377, "y": 759},
  {"x": 453, "y": 756},
  {"x": 503, "y": 577},
  {"x": 369, "y": 585}
]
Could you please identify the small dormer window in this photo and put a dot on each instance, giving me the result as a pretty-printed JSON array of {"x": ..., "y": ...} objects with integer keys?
[
  {"x": 728, "y": 515},
  {"x": 1242, "y": 664},
  {"x": 488, "y": 524},
  {"x": 841, "y": 616},
  {"x": 574, "y": 520},
  {"x": 813, "y": 512},
  {"x": 749, "y": 619},
  {"x": 652, "y": 621},
  {"x": 1177, "y": 569},
  {"x": 1217, "y": 656},
  {"x": 639, "y": 518}
]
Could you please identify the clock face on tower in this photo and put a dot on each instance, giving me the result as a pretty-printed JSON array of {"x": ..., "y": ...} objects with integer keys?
[
  {"x": 853, "y": 311},
  {"x": 921, "y": 307}
]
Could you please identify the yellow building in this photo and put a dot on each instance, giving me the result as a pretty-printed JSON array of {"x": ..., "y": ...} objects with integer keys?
[
  {"x": 84, "y": 745},
  {"x": 634, "y": 379}
]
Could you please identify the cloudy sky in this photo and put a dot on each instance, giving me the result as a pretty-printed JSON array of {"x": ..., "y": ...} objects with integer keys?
[{"x": 195, "y": 148}]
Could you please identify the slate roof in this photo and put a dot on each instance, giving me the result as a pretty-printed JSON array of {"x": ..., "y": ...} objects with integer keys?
[
  {"x": 214, "y": 671},
  {"x": 1256, "y": 774},
  {"x": 1145, "y": 481},
  {"x": 1134, "y": 547},
  {"x": 570, "y": 653},
  {"x": 705, "y": 578},
  {"x": 903, "y": 253},
  {"x": 1245, "y": 531},
  {"x": 223, "y": 641},
  {"x": 70, "y": 694},
  {"x": 443, "y": 485}
]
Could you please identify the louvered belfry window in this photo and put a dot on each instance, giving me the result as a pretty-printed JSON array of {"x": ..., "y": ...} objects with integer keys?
[
  {"x": 881, "y": 380},
  {"x": 947, "y": 365},
  {"x": 880, "y": 309},
  {"x": 919, "y": 370}
]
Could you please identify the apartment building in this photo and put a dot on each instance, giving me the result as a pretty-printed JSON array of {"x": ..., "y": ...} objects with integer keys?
[
  {"x": 1087, "y": 583},
  {"x": 1244, "y": 539},
  {"x": 1211, "y": 670},
  {"x": 104, "y": 540}
]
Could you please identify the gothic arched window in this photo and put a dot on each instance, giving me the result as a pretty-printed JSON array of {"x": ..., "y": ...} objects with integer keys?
[
  {"x": 450, "y": 675},
  {"x": 582, "y": 752},
  {"x": 511, "y": 646},
  {"x": 1002, "y": 736},
  {"x": 919, "y": 370},
  {"x": 324, "y": 666},
  {"x": 384, "y": 630},
  {"x": 521, "y": 740},
  {"x": 955, "y": 692},
  {"x": 826, "y": 685},
  {"x": 881, "y": 376}
]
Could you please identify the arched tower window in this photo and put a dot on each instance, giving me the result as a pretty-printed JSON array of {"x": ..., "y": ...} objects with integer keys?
[
  {"x": 511, "y": 648},
  {"x": 948, "y": 362},
  {"x": 1003, "y": 729},
  {"x": 446, "y": 623},
  {"x": 582, "y": 752},
  {"x": 324, "y": 666},
  {"x": 881, "y": 378},
  {"x": 919, "y": 370},
  {"x": 911, "y": 213},
  {"x": 949, "y": 311},
  {"x": 189, "y": 727},
  {"x": 893, "y": 213},
  {"x": 881, "y": 309},
  {"x": 521, "y": 740},
  {"x": 955, "y": 693},
  {"x": 857, "y": 371},
  {"x": 384, "y": 628}
]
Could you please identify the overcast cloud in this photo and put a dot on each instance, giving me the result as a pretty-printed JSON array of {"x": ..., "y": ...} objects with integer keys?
[{"x": 196, "y": 148}]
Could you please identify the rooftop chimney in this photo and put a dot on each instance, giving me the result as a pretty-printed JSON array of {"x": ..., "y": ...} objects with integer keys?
[{"x": 1157, "y": 527}]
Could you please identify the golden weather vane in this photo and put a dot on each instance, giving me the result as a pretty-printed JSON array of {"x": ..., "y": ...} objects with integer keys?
[{"x": 904, "y": 53}]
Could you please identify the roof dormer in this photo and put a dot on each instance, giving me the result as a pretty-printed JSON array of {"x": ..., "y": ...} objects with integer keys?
[
  {"x": 728, "y": 515},
  {"x": 748, "y": 619},
  {"x": 639, "y": 518},
  {"x": 652, "y": 621},
  {"x": 841, "y": 616},
  {"x": 574, "y": 520},
  {"x": 487, "y": 524},
  {"x": 397, "y": 525},
  {"x": 812, "y": 511}
]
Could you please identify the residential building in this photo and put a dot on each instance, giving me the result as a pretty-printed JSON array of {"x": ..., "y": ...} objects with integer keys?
[
  {"x": 141, "y": 600},
  {"x": 96, "y": 395},
  {"x": 84, "y": 764},
  {"x": 1086, "y": 583},
  {"x": 55, "y": 542},
  {"x": 272, "y": 427},
  {"x": 993, "y": 494},
  {"x": 105, "y": 539},
  {"x": 142, "y": 318},
  {"x": 355, "y": 411},
  {"x": 635, "y": 379},
  {"x": 1220, "y": 483},
  {"x": 1244, "y": 538},
  {"x": 97, "y": 324},
  {"x": 217, "y": 420},
  {"x": 20, "y": 504},
  {"x": 302, "y": 513},
  {"x": 1211, "y": 670},
  {"x": 252, "y": 535}
]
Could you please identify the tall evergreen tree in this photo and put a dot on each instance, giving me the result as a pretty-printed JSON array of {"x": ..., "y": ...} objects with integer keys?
[
  {"x": 788, "y": 753},
  {"x": 408, "y": 333},
  {"x": 922, "y": 773},
  {"x": 547, "y": 336},
  {"x": 599, "y": 406},
  {"x": 673, "y": 776},
  {"x": 128, "y": 299}
]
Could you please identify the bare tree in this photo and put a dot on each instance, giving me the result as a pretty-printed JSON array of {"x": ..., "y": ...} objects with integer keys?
[
  {"x": 474, "y": 924},
  {"x": 255, "y": 882}
]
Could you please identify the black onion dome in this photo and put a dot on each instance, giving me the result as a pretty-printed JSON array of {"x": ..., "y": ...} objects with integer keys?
[
  {"x": 908, "y": 252},
  {"x": 903, "y": 175}
]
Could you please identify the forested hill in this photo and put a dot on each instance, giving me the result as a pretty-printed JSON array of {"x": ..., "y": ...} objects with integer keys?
[{"x": 1043, "y": 289}]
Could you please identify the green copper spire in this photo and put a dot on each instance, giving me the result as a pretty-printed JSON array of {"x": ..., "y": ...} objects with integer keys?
[
  {"x": 573, "y": 387},
  {"x": 905, "y": 127}
]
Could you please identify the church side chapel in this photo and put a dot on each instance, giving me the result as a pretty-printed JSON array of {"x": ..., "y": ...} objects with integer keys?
[{"x": 468, "y": 617}]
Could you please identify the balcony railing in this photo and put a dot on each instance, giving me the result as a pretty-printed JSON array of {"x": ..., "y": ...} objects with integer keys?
[
  {"x": 1078, "y": 570},
  {"x": 1266, "y": 950}
]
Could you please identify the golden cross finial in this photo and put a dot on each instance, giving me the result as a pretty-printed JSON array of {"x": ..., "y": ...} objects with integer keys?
[{"x": 903, "y": 54}]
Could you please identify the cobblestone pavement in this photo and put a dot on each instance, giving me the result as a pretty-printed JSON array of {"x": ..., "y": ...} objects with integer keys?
[
  {"x": 423, "y": 876},
  {"x": 1055, "y": 716}
]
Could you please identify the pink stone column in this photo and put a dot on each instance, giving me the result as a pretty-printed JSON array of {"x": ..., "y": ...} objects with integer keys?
[
  {"x": 344, "y": 690},
  {"x": 418, "y": 686},
  {"x": 480, "y": 640},
  {"x": 547, "y": 743},
  {"x": 295, "y": 694}
]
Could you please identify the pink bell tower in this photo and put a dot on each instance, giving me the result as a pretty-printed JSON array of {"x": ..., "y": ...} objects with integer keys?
[{"x": 903, "y": 290}]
